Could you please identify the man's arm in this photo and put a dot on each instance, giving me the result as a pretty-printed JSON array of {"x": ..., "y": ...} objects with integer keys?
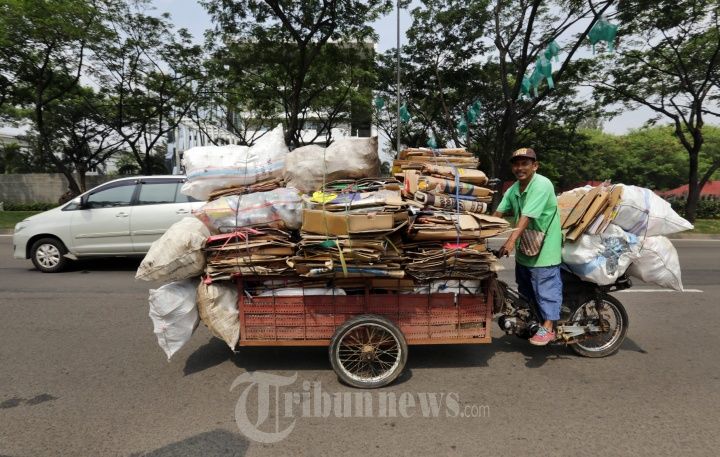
[{"x": 509, "y": 245}]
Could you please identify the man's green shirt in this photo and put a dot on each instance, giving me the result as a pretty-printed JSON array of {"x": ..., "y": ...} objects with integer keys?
[{"x": 538, "y": 202}]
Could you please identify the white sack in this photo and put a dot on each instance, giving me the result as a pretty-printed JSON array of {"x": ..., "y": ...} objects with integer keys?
[
  {"x": 452, "y": 286},
  {"x": 601, "y": 258},
  {"x": 217, "y": 303},
  {"x": 279, "y": 208},
  {"x": 174, "y": 314},
  {"x": 295, "y": 291},
  {"x": 344, "y": 159},
  {"x": 209, "y": 168},
  {"x": 644, "y": 213},
  {"x": 658, "y": 263},
  {"x": 177, "y": 254}
]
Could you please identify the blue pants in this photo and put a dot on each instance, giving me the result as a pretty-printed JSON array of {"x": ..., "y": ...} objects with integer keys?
[{"x": 543, "y": 286}]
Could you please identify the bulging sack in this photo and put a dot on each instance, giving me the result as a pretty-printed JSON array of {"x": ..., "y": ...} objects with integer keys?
[
  {"x": 279, "y": 208},
  {"x": 645, "y": 214},
  {"x": 658, "y": 263},
  {"x": 210, "y": 168},
  {"x": 177, "y": 254},
  {"x": 601, "y": 259},
  {"x": 217, "y": 303},
  {"x": 174, "y": 314},
  {"x": 346, "y": 158},
  {"x": 300, "y": 291}
]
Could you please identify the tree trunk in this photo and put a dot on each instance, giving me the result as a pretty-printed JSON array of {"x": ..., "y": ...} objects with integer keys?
[
  {"x": 693, "y": 188},
  {"x": 505, "y": 142},
  {"x": 46, "y": 149}
]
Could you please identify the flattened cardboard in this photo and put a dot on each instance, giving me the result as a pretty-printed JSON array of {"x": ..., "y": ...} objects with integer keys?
[{"x": 340, "y": 224}]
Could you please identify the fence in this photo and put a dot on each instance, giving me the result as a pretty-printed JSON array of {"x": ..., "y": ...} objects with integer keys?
[{"x": 39, "y": 187}]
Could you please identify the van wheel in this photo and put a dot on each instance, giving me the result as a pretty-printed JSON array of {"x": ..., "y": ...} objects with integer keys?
[{"x": 48, "y": 255}]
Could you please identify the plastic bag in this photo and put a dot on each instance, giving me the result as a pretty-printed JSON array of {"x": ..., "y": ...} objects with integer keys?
[
  {"x": 452, "y": 286},
  {"x": 346, "y": 158},
  {"x": 602, "y": 259},
  {"x": 645, "y": 214},
  {"x": 210, "y": 168},
  {"x": 174, "y": 314},
  {"x": 217, "y": 303},
  {"x": 279, "y": 208},
  {"x": 658, "y": 263},
  {"x": 299, "y": 291},
  {"x": 177, "y": 254}
]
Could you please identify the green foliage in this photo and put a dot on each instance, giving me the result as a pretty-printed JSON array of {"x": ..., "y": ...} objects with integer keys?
[
  {"x": 32, "y": 206},
  {"x": 8, "y": 219},
  {"x": 668, "y": 63},
  {"x": 293, "y": 61},
  {"x": 150, "y": 74},
  {"x": 706, "y": 209}
]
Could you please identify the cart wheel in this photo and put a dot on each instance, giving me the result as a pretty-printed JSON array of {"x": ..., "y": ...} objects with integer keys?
[{"x": 368, "y": 351}]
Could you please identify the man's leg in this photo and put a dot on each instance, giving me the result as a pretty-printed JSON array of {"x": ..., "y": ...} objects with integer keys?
[
  {"x": 547, "y": 287},
  {"x": 523, "y": 278}
]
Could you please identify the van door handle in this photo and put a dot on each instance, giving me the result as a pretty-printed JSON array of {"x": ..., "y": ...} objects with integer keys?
[
  {"x": 182, "y": 211},
  {"x": 122, "y": 214}
]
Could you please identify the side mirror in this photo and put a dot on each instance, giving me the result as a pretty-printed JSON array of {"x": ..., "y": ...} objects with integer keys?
[{"x": 76, "y": 201}]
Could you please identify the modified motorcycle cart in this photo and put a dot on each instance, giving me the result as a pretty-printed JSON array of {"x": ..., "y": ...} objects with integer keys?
[{"x": 368, "y": 331}]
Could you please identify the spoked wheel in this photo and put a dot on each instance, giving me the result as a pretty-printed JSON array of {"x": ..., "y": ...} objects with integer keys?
[
  {"x": 368, "y": 351},
  {"x": 608, "y": 314}
]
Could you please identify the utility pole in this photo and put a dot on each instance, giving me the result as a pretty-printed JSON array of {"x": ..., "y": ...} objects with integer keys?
[{"x": 397, "y": 3}]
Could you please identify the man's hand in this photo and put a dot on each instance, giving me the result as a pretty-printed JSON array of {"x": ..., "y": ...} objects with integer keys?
[{"x": 507, "y": 248}]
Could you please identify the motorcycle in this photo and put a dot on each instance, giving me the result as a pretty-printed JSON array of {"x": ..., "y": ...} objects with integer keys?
[{"x": 592, "y": 322}]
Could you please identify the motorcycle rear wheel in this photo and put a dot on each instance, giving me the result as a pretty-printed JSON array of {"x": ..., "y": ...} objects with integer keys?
[{"x": 606, "y": 343}]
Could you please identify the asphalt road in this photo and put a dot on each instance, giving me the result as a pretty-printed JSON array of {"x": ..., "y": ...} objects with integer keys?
[{"x": 81, "y": 374}]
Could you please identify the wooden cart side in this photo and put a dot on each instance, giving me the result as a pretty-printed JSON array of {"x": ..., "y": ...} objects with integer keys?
[{"x": 426, "y": 319}]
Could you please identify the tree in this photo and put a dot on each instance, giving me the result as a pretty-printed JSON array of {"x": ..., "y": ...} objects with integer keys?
[
  {"x": 151, "y": 76},
  {"x": 281, "y": 53},
  {"x": 669, "y": 62},
  {"x": 450, "y": 63},
  {"x": 43, "y": 47},
  {"x": 84, "y": 138},
  {"x": 440, "y": 69}
]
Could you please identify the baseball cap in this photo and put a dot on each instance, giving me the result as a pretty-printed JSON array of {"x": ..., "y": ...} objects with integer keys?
[{"x": 524, "y": 153}]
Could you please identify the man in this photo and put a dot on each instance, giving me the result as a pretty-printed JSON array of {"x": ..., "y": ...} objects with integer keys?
[{"x": 532, "y": 201}]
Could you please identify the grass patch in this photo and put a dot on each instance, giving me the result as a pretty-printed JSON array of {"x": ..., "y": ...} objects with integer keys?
[
  {"x": 8, "y": 219},
  {"x": 708, "y": 226}
]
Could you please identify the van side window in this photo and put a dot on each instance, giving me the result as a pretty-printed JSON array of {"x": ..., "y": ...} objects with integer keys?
[
  {"x": 180, "y": 198},
  {"x": 157, "y": 193},
  {"x": 115, "y": 196}
]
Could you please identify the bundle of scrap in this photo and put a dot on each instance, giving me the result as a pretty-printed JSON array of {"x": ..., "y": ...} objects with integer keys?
[
  {"x": 588, "y": 211},
  {"x": 350, "y": 229},
  {"x": 248, "y": 252},
  {"x": 439, "y": 181},
  {"x": 451, "y": 245},
  {"x": 262, "y": 186},
  {"x": 457, "y": 157}
]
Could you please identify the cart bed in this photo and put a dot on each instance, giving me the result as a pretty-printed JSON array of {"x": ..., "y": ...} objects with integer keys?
[{"x": 311, "y": 320}]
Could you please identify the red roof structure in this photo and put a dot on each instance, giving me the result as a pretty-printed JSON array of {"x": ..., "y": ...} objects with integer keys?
[{"x": 710, "y": 190}]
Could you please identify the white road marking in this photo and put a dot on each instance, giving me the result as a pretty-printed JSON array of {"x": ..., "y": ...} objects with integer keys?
[{"x": 697, "y": 291}]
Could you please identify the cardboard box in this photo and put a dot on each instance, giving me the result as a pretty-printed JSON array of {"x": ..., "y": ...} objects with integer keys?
[{"x": 342, "y": 224}]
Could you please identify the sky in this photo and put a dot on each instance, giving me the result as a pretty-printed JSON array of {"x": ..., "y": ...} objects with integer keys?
[{"x": 192, "y": 16}]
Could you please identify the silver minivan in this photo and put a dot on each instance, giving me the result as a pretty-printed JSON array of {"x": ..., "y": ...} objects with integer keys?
[{"x": 119, "y": 218}]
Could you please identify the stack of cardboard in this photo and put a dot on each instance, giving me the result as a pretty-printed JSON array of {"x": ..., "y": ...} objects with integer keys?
[
  {"x": 352, "y": 229},
  {"x": 447, "y": 233},
  {"x": 588, "y": 210},
  {"x": 262, "y": 186},
  {"x": 248, "y": 252},
  {"x": 457, "y": 157},
  {"x": 441, "y": 177}
]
